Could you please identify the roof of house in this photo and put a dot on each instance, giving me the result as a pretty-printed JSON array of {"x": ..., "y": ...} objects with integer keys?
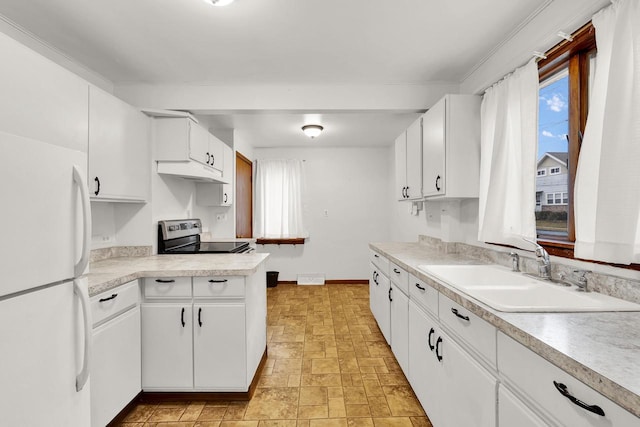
[{"x": 559, "y": 156}]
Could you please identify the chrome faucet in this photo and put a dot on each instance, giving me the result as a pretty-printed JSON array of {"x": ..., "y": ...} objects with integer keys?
[
  {"x": 515, "y": 261},
  {"x": 580, "y": 282},
  {"x": 544, "y": 263}
]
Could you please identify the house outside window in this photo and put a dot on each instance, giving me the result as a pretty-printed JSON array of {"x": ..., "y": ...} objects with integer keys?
[
  {"x": 554, "y": 171},
  {"x": 542, "y": 172}
]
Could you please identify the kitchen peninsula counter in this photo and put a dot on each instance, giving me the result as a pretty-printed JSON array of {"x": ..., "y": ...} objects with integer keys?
[
  {"x": 111, "y": 273},
  {"x": 601, "y": 349}
]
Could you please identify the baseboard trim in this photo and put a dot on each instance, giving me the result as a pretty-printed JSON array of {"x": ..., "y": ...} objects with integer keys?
[{"x": 331, "y": 282}]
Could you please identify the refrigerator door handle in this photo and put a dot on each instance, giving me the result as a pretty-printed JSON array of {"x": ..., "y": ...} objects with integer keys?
[
  {"x": 81, "y": 181},
  {"x": 83, "y": 296}
]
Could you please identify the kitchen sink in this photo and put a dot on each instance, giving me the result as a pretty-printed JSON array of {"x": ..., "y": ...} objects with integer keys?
[{"x": 505, "y": 290}]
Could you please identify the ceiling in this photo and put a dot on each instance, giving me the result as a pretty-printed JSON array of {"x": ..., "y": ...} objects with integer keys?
[{"x": 330, "y": 42}]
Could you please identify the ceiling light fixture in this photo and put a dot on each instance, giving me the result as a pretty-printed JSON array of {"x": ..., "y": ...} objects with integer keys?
[
  {"x": 312, "y": 130},
  {"x": 219, "y": 2}
]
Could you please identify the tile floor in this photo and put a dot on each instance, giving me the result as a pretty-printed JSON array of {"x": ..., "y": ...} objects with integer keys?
[{"x": 328, "y": 365}]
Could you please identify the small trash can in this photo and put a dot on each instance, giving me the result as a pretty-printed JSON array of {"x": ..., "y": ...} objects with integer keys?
[{"x": 272, "y": 279}]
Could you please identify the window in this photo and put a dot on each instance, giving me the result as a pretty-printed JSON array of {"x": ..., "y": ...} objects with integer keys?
[
  {"x": 542, "y": 172},
  {"x": 565, "y": 78}
]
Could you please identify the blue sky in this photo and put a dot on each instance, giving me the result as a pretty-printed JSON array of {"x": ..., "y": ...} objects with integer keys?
[{"x": 553, "y": 124}]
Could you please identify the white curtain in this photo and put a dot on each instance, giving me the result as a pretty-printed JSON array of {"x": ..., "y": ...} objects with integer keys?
[
  {"x": 278, "y": 206},
  {"x": 607, "y": 187},
  {"x": 509, "y": 128}
]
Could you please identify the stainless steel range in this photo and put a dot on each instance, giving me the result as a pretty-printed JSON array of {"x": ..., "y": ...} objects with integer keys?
[{"x": 182, "y": 236}]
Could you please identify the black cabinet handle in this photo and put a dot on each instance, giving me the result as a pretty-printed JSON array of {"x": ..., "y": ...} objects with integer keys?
[
  {"x": 113, "y": 296},
  {"x": 213, "y": 160},
  {"x": 437, "y": 183},
  {"x": 461, "y": 316},
  {"x": 97, "y": 180},
  {"x": 431, "y": 332},
  {"x": 182, "y": 318},
  {"x": 422, "y": 288},
  {"x": 591, "y": 408},
  {"x": 407, "y": 192},
  {"x": 218, "y": 281},
  {"x": 395, "y": 270},
  {"x": 438, "y": 355},
  {"x": 376, "y": 255},
  {"x": 373, "y": 276},
  {"x": 200, "y": 317},
  {"x": 208, "y": 157},
  {"x": 225, "y": 198},
  {"x": 390, "y": 299},
  {"x": 165, "y": 280},
  {"x": 376, "y": 279}
]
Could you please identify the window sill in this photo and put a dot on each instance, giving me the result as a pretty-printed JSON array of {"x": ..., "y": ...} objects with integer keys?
[{"x": 288, "y": 241}]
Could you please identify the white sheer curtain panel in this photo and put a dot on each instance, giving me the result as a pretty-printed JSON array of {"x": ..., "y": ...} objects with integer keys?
[
  {"x": 509, "y": 126},
  {"x": 278, "y": 207},
  {"x": 607, "y": 187}
]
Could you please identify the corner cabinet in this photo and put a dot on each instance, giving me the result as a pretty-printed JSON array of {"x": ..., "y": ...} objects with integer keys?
[
  {"x": 119, "y": 150},
  {"x": 408, "y": 157},
  {"x": 451, "y": 148},
  {"x": 210, "y": 194}
]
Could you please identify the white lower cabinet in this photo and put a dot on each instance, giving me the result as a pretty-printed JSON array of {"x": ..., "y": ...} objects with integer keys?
[
  {"x": 555, "y": 394},
  {"x": 115, "y": 370},
  {"x": 218, "y": 339},
  {"x": 453, "y": 388},
  {"x": 167, "y": 346},
  {"x": 513, "y": 412},
  {"x": 425, "y": 374},
  {"x": 399, "y": 315},
  {"x": 383, "y": 308}
]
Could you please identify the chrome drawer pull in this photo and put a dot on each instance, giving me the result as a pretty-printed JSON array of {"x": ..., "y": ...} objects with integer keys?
[
  {"x": 461, "y": 316},
  {"x": 113, "y": 296},
  {"x": 591, "y": 408}
]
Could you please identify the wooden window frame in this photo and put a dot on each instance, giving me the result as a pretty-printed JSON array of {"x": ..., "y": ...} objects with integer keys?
[{"x": 575, "y": 56}]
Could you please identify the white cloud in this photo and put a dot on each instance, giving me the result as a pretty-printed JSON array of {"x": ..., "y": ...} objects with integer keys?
[
  {"x": 556, "y": 103},
  {"x": 547, "y": 134}
]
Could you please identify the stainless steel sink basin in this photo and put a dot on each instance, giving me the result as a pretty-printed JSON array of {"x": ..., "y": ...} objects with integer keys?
[{"x": 505, "y": 290}]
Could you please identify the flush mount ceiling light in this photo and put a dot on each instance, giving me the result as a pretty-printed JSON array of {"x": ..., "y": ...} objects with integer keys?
[
  {"x": 312, "y": 130},
  {"x": 219, "y": 2}
]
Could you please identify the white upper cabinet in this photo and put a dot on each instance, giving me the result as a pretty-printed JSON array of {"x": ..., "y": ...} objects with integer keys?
[
  {"x": 408, "y": 152},
  {"x": 208, "y": 194},
  {"x": 119, "y": 150},
  {"x": 451, "y": 147},
  {"x": 41, "y": 100},
  {"x": 216, "y": 153}
]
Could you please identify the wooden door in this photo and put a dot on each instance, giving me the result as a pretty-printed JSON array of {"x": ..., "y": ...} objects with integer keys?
[{"x": 244, "y": 196}]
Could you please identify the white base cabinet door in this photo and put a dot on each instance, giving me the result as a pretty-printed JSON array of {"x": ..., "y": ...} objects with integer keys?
[
  {"x": 115, "y": 375},
  {"x": 219, "y": 346},
  {"x": 425, "y": 375},
  {"x": 167, "y": 346},
  {"x": 466, "y": 385},
  {"x": 400, "y": 327},
  {"x": 513, "y": 412},
  {"x": 383, "y": 306}
]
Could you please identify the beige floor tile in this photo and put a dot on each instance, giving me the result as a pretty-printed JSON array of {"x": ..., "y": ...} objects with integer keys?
[
  {"x": 421, "y": 422},
  {"x": 192, "y": 412},
  {"x": 355, "y": 395},
  {"x": 313, "y": 396},
  {"x": 273, "y": 403},
  {"x": 212, "y": 413},
  {"x": 328, "y": 423},
  {"x": 277, "y": 423},
  {"x": 360, "y": 422},
  {"x": 166, "y": 414},
  {"x": 313, "y": 411},
  {"x": 140, "y": 413},
  {"x": 207, "y": 424},
  {"x": 379, "y": 406},
  {"x": 337, "y": 408},
  {"x": 328, "y": 380},
  {"x": 325, "y": 366},
  {"x": 334, "y": 392},
  {"x": 392, "y": 422},
  {"x": 402, "y": 401},
  {"x": 357, "y": 410},
  {"x": 239, "y": 424},
  {"x": 288, "y": 366}
]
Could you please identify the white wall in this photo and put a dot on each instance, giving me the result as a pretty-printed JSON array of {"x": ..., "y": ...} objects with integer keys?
[{"x": 352, "y": 184}]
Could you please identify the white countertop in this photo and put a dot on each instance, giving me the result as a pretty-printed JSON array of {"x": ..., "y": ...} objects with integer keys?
[
  {"x": 600, "y": 349},
  {"x": 110, "y": 273}
]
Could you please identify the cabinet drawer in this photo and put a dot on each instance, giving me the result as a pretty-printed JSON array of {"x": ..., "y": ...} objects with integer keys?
[
  {"x": 108, "y": 304},
  {"x": 400, "y": 277},
  {"x": 167, "y": 287},
  {"x": 423, "y": 294},
  {"x": 381, "y": 262},
  {"x": 218, "y": 287},
  {"x": 516, "y": 363},
  {"x": 477, "y": 333}
]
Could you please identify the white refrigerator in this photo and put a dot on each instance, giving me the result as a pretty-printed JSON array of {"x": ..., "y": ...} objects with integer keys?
[{"x": 45, "y": 319}]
